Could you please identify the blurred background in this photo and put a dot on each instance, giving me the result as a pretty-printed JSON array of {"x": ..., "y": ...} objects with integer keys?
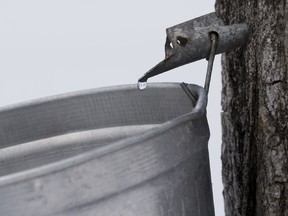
[{"x": 59, "y": 46}]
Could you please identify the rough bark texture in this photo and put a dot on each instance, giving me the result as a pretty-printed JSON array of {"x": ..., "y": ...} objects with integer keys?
[{"x": 255, "y": 110}]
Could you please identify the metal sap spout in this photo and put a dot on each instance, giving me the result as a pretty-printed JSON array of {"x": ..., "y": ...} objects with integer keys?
[{"x": 190, "y": 41}]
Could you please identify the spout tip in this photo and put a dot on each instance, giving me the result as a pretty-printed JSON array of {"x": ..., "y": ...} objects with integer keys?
[
  {"x": 143, "y": 79},
  {"x": 163, "y": 66}
]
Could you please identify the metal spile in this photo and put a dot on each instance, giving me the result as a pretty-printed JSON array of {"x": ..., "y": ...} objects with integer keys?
[{"x": 191, "y": 41}]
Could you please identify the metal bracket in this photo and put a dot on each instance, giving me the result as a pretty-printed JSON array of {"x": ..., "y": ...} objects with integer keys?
[
  {"x": 191, "y": 41},
  {"x": 193, "y": 97}
]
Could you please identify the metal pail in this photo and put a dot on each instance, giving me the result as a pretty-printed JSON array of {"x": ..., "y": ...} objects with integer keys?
[{"x": 107, "y": 152}]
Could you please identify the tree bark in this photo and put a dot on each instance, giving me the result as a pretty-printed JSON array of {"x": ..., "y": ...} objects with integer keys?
[{"x": 255, "y": 110}]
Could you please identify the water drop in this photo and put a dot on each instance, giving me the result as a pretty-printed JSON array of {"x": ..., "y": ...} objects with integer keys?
[{"x": 141, "y": 85}]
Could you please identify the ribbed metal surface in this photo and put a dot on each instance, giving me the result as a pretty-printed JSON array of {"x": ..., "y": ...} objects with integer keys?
[{"x": 111, "y": 151}]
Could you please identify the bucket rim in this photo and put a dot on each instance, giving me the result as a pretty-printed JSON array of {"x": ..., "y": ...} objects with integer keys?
[{"x": 197, "y": 112}]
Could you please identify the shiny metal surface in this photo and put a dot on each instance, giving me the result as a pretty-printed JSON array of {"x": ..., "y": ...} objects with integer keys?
[{"x": 112, "y": 151}]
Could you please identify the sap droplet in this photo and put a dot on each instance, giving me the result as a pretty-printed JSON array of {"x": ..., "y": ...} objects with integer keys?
[{"x": 142, "y": 85}]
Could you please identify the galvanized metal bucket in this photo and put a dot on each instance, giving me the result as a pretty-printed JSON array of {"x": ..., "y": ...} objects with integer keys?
[{"x": 108, "y": 152}]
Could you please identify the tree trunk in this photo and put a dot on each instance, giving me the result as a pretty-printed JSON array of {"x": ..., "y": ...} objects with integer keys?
[{"x": 255, "y": 110}]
